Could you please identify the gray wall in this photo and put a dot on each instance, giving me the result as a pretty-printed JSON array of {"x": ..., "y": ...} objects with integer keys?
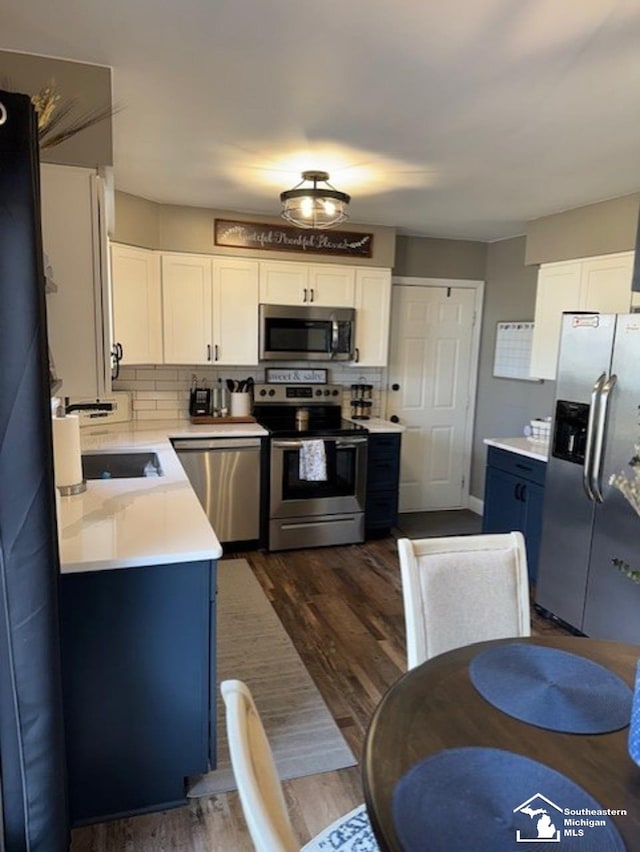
[
  {"x": 602, "y": 228},
  {"x": 171, "y": 227},
  {"x": 426, "y": 257},
  {"x": 504, "y": 406},
  {"x": 89, "y": 85}
]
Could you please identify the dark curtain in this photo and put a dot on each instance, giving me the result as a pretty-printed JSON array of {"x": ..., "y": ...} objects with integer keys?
[{"x": 31, "y": 725}]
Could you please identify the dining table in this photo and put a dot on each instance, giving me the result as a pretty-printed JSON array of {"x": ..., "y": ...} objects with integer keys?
[{"x": 435, "y": 713}]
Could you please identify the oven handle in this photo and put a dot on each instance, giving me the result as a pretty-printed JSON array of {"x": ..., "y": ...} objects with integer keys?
[{"x": 340, "y": 443}]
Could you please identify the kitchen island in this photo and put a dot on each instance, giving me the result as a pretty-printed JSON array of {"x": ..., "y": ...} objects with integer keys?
[{"x": 137, "y": 600}]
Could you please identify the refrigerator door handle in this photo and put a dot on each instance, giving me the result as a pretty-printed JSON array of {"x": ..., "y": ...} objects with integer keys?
[
  {"x": 603, "y": 413},
  {"x": 587, "y": 477}
]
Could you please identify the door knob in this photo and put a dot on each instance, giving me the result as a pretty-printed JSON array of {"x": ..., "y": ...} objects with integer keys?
[
  {"x": 394, "y": 418},
  {"x": 395, "y": 386}
]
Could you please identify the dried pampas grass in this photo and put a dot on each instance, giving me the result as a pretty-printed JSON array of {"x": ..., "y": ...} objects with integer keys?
[{"x": 56, "y": 122}]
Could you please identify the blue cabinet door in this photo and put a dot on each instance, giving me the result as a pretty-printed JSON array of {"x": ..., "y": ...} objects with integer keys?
[
  {"x": 533, "y": 499},
  {"x": 502, "y": 505}
]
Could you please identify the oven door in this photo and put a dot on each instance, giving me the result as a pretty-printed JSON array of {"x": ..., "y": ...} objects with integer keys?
[{"x": 343, "y": 490}]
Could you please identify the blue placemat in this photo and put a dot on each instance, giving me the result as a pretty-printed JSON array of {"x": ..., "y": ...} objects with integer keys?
[
  {"x": 488, "y": 800},
  {"x": 552, "y": 689}
]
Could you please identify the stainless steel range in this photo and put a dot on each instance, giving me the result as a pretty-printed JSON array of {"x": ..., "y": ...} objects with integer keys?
[{"x": 318, "y": 464}]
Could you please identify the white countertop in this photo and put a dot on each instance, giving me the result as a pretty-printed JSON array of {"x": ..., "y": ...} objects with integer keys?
[
  {"x": 123, "y": 523},
  {"x": 522, "y": 446},
  {"x": 376, "y": 424}
]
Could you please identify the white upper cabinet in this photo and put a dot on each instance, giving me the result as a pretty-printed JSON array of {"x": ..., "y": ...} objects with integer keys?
[
  {"x": 331, "y": 286},
  {"x": 210, "y": 310},
  {"x": 186, "y": 296},
  {"x": 283, "y": 283},
  {"x": 373, "y": 302},
  {"x": 76, "y": 249},
  {"x": 136, "y": 304},
  {"x": 598, "y": 284},
  {"x": 235, "y": 311}
]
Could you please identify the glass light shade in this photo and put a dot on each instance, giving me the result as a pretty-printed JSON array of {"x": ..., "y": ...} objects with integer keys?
[{"x": 314, "y": 207}]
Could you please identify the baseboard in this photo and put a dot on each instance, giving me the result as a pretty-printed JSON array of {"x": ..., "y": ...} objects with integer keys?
[{"x": 476, "y": 505}]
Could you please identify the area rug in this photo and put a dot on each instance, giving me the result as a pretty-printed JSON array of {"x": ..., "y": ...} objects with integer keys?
[{"x": 253, "y": 646}]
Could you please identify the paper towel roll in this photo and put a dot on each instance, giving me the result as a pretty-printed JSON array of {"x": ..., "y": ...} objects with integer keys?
[{"x": 67, "y": 463}]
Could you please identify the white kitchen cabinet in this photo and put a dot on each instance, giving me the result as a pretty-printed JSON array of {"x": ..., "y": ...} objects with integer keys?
[
  {"x": 324, "y": 284},
  {"x": 136, "y": 302},
  {"x": 210, "y": 310},
  {"x": 331, "y": 286},
  {"x": 74, "y": 241},
  {"x": 373, "y": 304},
  {"x": 283, "y": 283},
  {"x": 599, "y": 284},
  {"x": 235, "y": 311},
  {"x": 186, "y": 309}
]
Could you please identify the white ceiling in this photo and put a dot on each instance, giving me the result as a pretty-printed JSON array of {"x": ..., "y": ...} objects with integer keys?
[{"x": 462, "y": 119}]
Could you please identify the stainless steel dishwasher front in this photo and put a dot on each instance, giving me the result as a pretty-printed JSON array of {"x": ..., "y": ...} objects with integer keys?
[{"x": 225, "y": 474}]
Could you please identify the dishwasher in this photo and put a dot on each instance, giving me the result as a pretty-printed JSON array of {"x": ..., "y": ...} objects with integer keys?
[{"x": 225, "y": 474}]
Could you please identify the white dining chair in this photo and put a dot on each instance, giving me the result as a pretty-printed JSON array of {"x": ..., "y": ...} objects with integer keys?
[
  {"x": 462, "y": 589},
  {"x": 260, "y": 790}
]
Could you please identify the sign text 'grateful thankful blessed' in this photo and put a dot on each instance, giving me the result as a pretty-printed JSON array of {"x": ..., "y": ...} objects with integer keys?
[{"x": 257, "y": 235}]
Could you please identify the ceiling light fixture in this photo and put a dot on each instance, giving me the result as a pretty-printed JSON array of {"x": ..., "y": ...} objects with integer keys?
[{"x": 314, "y": 206}]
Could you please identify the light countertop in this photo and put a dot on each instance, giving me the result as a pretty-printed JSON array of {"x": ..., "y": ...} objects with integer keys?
[
  {"x": 123, "y": 523},
  {"x": 378, "y": 425},
  {"x": 522, "y": 446}
]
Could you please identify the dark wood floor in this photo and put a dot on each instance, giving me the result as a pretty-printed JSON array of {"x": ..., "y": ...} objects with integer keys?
[{"x": 342, "y": 607}]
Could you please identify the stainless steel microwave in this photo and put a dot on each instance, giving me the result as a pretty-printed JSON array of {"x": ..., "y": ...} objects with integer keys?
[{"x": 306, "y": 333}]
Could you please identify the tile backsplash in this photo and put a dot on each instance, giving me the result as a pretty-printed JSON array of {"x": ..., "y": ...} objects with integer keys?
[{"x": 162, "y": 392}]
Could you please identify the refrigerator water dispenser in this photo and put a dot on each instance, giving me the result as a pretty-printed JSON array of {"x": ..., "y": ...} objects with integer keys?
[{"x": 570, "y": 431}]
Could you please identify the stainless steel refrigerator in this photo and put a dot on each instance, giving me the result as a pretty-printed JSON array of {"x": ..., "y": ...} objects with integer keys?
[{"x": 590, "y": 531}]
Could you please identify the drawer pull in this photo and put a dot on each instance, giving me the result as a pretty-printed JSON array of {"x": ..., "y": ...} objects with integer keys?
[{"x": 523, "y": 466}]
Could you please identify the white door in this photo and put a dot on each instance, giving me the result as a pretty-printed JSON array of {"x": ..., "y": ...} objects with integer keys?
[
  {"x": 430, "y": 362},
  {"x": 331, "y": 286},
  {"x": 137, "y": 304},
  {"x": 186, "y": 307},
  {"x": 284, "y": 283},
  {"x": 235, "y": 311}
]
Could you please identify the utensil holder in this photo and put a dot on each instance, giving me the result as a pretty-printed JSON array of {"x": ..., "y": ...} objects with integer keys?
[{"x": 240, "y": 404}]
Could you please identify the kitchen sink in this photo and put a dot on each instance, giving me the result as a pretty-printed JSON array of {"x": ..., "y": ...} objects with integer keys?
[{"x": 120, "y": 465}]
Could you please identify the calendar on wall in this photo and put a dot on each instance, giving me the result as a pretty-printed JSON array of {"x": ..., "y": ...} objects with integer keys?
[{"x": 513, "y": 350}]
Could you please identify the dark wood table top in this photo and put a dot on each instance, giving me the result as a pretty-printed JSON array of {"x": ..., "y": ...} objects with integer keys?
[{"x": 435, "y": 706}]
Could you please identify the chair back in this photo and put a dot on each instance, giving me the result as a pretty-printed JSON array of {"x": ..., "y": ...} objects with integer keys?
[
  {"x": 463, "y": 589},
  {"x": 261, "y": 795}
]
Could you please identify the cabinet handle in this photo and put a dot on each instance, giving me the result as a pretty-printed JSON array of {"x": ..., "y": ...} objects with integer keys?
[
  {"x": 523, "y": 492},
  {"x": 357, "y": 358},
  {"x": 215, "y": 352},
  {"x": 516, "y": 490},
  {"x": 208, "y": 351},
  {"x": 523, "y": 466},
  {"x": 304, "y": 298},
  {"x": 311, "y": 295}
]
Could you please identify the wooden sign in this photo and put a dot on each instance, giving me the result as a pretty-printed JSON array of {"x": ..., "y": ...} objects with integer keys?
[{"x": 258, "y": 235}]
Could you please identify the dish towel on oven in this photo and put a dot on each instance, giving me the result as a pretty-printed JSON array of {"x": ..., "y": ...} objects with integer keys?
[{"x": 313, "y": 461}]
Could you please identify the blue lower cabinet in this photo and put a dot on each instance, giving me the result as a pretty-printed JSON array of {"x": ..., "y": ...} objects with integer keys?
[
  {"x": 513, "y": 499},
  {"x": 138, "y": 662},
  {"x": 383, "y": 475}
]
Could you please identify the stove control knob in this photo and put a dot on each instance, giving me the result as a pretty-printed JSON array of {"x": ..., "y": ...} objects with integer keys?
[
  {"x": 318, "y": 392},
  {"x": 327, "y": 392},
  {"x": 334, "y": 392},
  {"x": 272, "y": 392},
  {"x": 263, "y": 392}
]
